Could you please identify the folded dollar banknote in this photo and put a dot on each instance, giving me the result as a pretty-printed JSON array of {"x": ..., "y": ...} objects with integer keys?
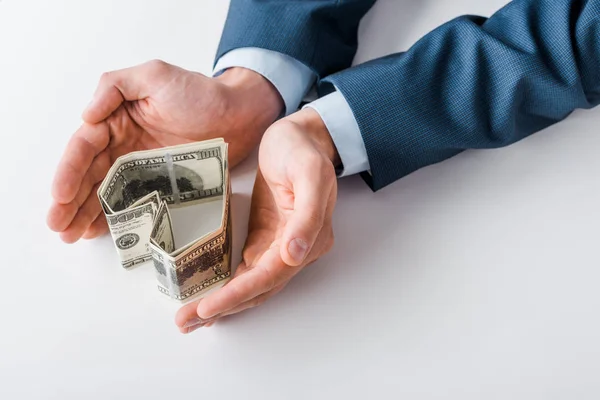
[{"x": 151, "y": 198}]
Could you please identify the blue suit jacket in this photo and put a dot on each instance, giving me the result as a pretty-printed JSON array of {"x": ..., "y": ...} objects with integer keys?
[{"x": 471, "y": 83}]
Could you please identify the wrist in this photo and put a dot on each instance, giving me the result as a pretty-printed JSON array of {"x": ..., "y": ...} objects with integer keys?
[
  {"x": 310, "y": 121},
  {"x": 252, "y": 97}
]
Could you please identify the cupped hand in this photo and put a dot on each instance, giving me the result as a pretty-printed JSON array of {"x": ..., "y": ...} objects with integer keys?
[
  {"x": 149, "y": 106},
  {"x": 290, "y": 219}
]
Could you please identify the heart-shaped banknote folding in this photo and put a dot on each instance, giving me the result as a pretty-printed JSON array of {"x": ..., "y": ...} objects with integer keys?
[{"x": 147, "y": 193}]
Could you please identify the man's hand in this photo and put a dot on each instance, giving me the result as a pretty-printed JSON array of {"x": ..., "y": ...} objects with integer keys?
[
  {"x": 148, "y": 106},
  {"x": 290, "y": 220}
]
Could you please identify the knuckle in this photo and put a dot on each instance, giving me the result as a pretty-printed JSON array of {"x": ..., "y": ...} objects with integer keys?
[
  {"x": 106, "y": 77},
  {"x": 257, "y": 301},
  {"x": 271, "y": 279},
  {"x": 278, "y": 130},
  {"x": 247, "y": 256},
  {"x": 283, "y": 125},
  {"x": 235, "y": 293},
  {"x": 157, "y": 66}
]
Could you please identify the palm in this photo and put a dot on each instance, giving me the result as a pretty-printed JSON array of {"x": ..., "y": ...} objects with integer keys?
[
  {"x": 262, "y": 267},
  {"x": 146, "y": 107},
  {"x": 135, "y": 126},
  {"x": 266, "y": 223},
  {"x": 292, "y": 202}
]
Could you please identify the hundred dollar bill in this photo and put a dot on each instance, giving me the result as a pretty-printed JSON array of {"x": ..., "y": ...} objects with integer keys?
[{"x": 138, "y": 196}]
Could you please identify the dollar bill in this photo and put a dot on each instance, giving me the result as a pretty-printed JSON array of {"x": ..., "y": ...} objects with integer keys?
[{"x": 138, "y": 195}]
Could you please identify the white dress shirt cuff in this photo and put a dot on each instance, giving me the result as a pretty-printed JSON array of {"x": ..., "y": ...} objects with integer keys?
[
  {"x": 291, "y": 78},
  {"x": 341, "y": 124}
]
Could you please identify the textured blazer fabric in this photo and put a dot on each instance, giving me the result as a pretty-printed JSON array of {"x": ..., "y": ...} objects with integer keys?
[{"x": 472, "y": 83}]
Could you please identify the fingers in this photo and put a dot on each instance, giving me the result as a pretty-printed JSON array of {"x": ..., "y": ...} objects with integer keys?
[
  {"x": 311, "y": 195},
  {"x": 60, "y": 215},
  {"x": 187, "y": 316},
  {"x": 255, "y": 302},
  {"x": 93, "y": 137},
  {"x": 97, "y": 228},
  {"x": 188, "y": 321},
  {"x": 88, "y": 212},
  {"x": 323, "y": 244},
  {"x": 196, "y": 323},
  {"x": 269, "y": 272},
  {"x": 135, "y": 83},
  {"x": 84, "y": 146}
]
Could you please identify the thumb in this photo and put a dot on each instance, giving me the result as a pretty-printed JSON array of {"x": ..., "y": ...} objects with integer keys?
[
  {"x": 127, "y": 84},
  {"x": 307, "y": 219}
]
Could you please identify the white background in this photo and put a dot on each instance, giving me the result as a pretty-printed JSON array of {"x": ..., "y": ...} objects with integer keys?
[{"x": 474, "y": 279}]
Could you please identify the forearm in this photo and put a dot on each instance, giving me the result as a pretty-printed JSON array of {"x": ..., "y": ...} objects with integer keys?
[{"x": 475, "y": 83}]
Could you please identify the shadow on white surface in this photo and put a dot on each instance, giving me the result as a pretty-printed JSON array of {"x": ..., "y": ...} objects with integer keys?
[{"x": 475, "y": 278}]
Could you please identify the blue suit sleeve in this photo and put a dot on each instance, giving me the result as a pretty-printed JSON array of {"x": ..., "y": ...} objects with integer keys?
[
  {"x": 321, "y": 34},
  {"x": 475, "y": 83}
]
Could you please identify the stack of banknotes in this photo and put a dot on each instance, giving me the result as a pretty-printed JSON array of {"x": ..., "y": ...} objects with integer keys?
[{"x": 147, "y": 195}]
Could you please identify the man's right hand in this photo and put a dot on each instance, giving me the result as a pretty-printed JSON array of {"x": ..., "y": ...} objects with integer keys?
[{"x": 149, "y": 106}]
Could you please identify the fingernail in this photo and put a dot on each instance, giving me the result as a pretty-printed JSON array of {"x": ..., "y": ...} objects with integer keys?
[
  {"x": 298, "y": 249},
  {"x": 194, "y": 322},
  {"x": 193, "y": 328}
]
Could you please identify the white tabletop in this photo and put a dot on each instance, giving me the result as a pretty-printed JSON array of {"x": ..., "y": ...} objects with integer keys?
[{"x": 473, "y": 279}]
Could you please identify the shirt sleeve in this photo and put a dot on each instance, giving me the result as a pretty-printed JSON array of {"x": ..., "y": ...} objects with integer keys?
[
  {"x": 291, "y": 78},
  {"x": 343, "y": 128}
]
